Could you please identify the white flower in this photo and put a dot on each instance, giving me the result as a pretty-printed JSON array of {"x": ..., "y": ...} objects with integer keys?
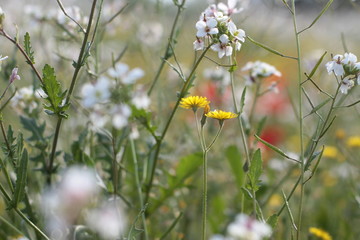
[
  {"x": 150, "y": 33},
  {"x": 239, "y": 34},
  {"x": 349, "y": 58},
  {"x": 230, "y": 7},
  {"x": 140, "y": 99},
  {"x": 121, "y": 115},
  {"x": 209, "y": 12},
  {"x": 220, "y": 17},
  {"x": 3, "y": 58},
  {"x": 98, "y": 117},
  {"x": 14, "y": 75},
  {"x": 247, "y": 228},
  {"x": 206, "y": 28},
  {"x": 98, "y": 93},
  {"x": 198, "y": 44},
  {"x": 122, "y": 72},
  {"x": 346, "y": 85},
  {"x": 260, "y": 69},
  {"x": 109, "y": 220},
  {"x": 223, "y": 48},
  {"x": 335, "y": 65},
  {"x": 26, "y": 98}
]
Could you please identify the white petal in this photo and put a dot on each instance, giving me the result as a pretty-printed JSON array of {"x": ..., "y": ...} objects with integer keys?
[
  {"x": 211, "y": 22},
  {"x": 224, "y": 38},
  {"x": 213, "y": 31},
  {"x": 200, "y": 25},
  {"x": 228, "y": 50}
]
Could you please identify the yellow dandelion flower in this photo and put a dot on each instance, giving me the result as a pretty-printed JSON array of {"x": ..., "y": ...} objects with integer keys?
[
  {"x": 330, "y": 152},
  {"x": 194, "y": 102},
  {"x": 320, "y": 233},
  {"x": 353, "y": 141},
  {"x": 221, "y": 115}
]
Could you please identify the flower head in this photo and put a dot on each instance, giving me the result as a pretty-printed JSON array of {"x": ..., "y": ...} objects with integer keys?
[
  {"x": 126, "y": 76},
  {"x": 353, "y": 141},
  {"x": 346, "y": 85},
  {"x": 223, "y": 47},
  {"x": 98, "y": 93},
  {"x": 14, "y": 75},
  {"x": 245, "y": 227},
  {"x": 207, "y": 27},
  {"x": 194, "y": 102},
  {"x": 221, "y": 115},
  {"x": 260, "y": 69},
  {"x": 336, "y": 65},
  {"x": 229, "y": 8},
  {"x": 320, "y": 233}
]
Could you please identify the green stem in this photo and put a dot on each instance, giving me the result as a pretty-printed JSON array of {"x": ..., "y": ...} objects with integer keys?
[
  {"x": 72, "y": 85},
  {"x": 11, "y": 226},
  {"x": 167, "y": 49},
  {"x": 204, "y": 207},
  {"x": 138, "y": 185},
  {"x": 162, "y": 136}
]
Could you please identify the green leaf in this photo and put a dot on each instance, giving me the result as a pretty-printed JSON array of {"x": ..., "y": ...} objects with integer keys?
[
  {"x": 242, "y": 100},
  {"x": 255, "y": 170},
  {"x": 261, "y": 125},
  {"x": 37, "y": 130},
  {"x": 276, "y": 149},
  {"x": 21, "y": 173},
  {"x": 316, "y": 108},
  {"x": 316, "y": 65},
  {"x": 272, "y": 220},
  {"x": 27, "y": 48},
  {"x": 235, "y": 160}
]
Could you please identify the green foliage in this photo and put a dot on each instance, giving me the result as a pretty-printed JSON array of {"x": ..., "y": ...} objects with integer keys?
[
  {"x": 28, "y": 49},
  {"x": 234, "y": 158},
  {"x": 272, "y": 220},
  {"x": 55, "y": 99},
  {"x": 255, "y": 171}
]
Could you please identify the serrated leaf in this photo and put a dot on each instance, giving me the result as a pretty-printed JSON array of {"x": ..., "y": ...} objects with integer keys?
[
  {"x": 255, "y": 170},
  {"x": 235, "y": 160},
  {"x": 27, "y": 48},
  {"x": 37, "y": 130},
  {"x": 21, "y": 173},
  {"x": 272, "y": 220},
  {"x": 55, "y": 97}
]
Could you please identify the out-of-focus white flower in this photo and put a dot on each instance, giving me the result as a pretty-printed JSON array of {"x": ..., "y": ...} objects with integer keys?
[
  {"x": 247, "y": 228},
  {"x": 223, "y": 48},
  {"x": 218, "y": 75},
  {"x": 346, "y": 85},
  {"x": 109, "y": 220},
  {"x": 3, "y": 58},
  {"x": 26, "y": 98},
  {"x": 98, "y": 117},
  {"x": 97, "y": 93},
  {"x": 230, "y": 8},
  {"x": 209, "y": 12},
  {"x": 349, "y": 58},
  {"x": 14, "y": 75},
  {"x": 121, "y": 114},
  {"x": 134, "y": 134},
  {"x": 218, "y": 237},
  {"x": 206, "y": 28},
  {"x": 121, "y": 71},
  {"x": 260, "y": 69},
  {"x": 336, "y": 65},
  {"x": 150, "y": 33},
  {"x": 140, "y": 99}
]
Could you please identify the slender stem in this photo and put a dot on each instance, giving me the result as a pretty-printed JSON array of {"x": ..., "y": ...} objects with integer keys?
[
  {"x": 199, "y": 132},
  {"x": 31, "y": 224},
  {"x": 216, "y": 136},
  {"x": 167, "y": 49},
  {"x": 72, "y": 85},
  {"x": 161, "y": 138},
  {"x": 24, "y": 53},
  {"x": 256, "y": 97},
  {"x": 204, "y": 207},
  {"x": 138, "y": 185},
  {"x": 11, "y": 226},
  {"x": 114, "y": 163}
]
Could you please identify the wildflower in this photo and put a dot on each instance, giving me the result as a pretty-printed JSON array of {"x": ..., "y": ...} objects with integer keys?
[
  {"x": 14, "y": 75},
  {"x": 238, "y": 34},
  {"x": 260, "y": 69},
  {"x": 223, "y": 48},
  {"x": 121, "y": 71},
  {"x": 330, "y": 152},
  {"x": 207, "y": 27},
  {"x": 346, "y": 85},
  {"x": 140, "y": 99},
  {"x": 108, "y": 220},
  {"x": 194, "y": 102},
  {"x": 121, "y": 115},
  {"x": 221, "y": 115},
  {"x": 150, "y": 33},
  {"x": 353, "y": 141},
  {"x": 98, "y": 93},
  {"x": 198, "y": 44},
  {"x": 320, "y": 233},
  {"x": 336, "y": 65},
  {"x": 26, "y": 98},
  {"x": 229, "y": 9},
  {"x": 245, "y": 227}
]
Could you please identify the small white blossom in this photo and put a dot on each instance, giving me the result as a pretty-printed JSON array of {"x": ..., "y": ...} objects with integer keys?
[
  {"x": 349, "y": 58},
  {"x": 248, "y": 228},
  {"x": 346, "y": 85},
  {"x": 223, "y": 48},
  {"x": 229, "y": 9},
  {"x": 260, "y": 69},
  {"x": 26, "y": 98},
  {"x": 209, "y": 12},
  {"x": 336, "y": 65},
  {"x": 97, "y": 93},
  {"x": 206, "y": 28},
  {"x": 140, "y": 99},
  {"x": 125, "y": 75},
  {"x": 239, "y": 34},
  {"x": 198, "y": 44},
  {"x": 121, "y": 115},
  {"x": 150, "y": 33}
]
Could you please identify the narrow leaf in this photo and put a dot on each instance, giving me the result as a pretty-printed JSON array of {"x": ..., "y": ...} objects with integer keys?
[
  {"x": 27, "y": 48},
  {"x": 172, "y": 226},
  {"x": 21, "y": 173},
  {"x": 316, "y": 165},
  {"x": 269, "y": 49},
  {"x": 317, "y": 65},
  {"x": 289, "y": 211},
  {"x": 276, "y": 149},
  {"x": 242, "y": 100},
  {"x": 235, "y": 160},
  {"x": 255, "y": 170},
  {"x": 320, "y": 105}
]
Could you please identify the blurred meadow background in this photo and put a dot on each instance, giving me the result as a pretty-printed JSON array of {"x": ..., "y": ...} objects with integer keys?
[{"x": 115, "y": 173}]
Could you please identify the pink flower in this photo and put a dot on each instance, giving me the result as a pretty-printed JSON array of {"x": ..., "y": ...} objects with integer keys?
[{"x": 14, "y": 75}]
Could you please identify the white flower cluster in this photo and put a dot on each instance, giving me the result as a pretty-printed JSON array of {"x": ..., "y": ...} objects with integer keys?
[
  {"x": 97, "y": 97},
  {"x": 245, "y": 228},
  {"x": 27, "y": 99},
  {"x": 216, "y": 26},
  {"x": 347, "y": 68},
  {"x": 260, "y": 70}
]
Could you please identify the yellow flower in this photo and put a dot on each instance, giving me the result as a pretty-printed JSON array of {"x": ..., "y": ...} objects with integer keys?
[
  {"x": 221, "y": 115},
  {"x": 320, "y": 233},
  {"x": 194, "y": 102},
  {"x": 330, "y": 152},
  {"x": 353, "y": 141}
]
